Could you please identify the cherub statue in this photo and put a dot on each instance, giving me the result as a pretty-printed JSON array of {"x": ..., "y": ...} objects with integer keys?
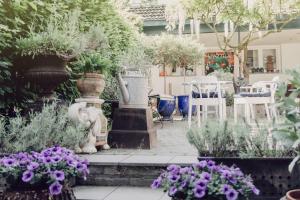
[{"x": 90, "y": 118}]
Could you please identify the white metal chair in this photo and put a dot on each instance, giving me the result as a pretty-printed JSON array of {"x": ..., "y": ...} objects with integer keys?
[
  {"x": 260, "y": 93},
  {"x": 205, "y": 93}
]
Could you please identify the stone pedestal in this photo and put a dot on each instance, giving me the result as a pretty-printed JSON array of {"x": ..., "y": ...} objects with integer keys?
[
  {"x": 101, "y": 137},
  {"x": 133, "y": 128}
]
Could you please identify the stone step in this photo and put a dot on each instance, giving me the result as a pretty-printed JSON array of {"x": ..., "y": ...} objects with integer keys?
[{"x": 126, "y": 170}]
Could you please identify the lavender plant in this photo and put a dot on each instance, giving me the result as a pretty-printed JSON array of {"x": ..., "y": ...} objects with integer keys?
[
  {"x": 52, "y": 167},
  {"x": 205, "y": 180}
]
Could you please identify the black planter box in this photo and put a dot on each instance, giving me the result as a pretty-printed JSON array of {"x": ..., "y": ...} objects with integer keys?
[{"x": 270, "y": 175}]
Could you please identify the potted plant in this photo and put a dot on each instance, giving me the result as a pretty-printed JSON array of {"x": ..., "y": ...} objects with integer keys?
[
  {"x": 43, "y": 56},
  {"x": 205, "y": 180},
  {"x": 288, "y": 131},
  {"x": 253, "y": 149},
  {"x": 93, "y": 67},
  {"x": 43, "y": 176}
]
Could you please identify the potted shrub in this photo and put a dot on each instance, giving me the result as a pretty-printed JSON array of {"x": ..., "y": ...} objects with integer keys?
[
  {"x": 288, "y": 131},
  {"x": 92, "y": 82},
  {"x": 43, "y": 56},
  {"x": 205, "y": 180},
  {"x": 43, "y": 176}
]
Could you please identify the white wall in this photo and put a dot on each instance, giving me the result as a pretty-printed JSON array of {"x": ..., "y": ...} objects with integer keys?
[
  {"x": 289, "y": 59},
  {"x": 290, "y": 56}
]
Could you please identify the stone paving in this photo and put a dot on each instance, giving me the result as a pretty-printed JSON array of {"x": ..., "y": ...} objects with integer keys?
[
  {"x": 118, "y": 193},
  {"x": 172, "y": 141}
]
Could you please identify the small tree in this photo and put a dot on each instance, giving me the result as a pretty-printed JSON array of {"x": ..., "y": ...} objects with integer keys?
[{"x": 255, "y": 19}]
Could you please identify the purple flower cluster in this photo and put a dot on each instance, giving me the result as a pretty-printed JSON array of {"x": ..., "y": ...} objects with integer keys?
[
  {"x": 53, "y": 165},
  {"x": 205, "y": 179}
]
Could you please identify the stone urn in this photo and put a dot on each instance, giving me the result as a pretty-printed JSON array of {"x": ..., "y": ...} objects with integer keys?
[
  {"x": 91, "y": 85},
  {"x": 45, "y": 72}
]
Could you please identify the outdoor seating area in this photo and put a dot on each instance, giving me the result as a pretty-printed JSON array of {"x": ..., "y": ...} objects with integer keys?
[{"x": 156, "y": 99}]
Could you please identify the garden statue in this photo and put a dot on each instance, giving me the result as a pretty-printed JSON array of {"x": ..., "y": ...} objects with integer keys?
[{"x": 90, "y": 118}]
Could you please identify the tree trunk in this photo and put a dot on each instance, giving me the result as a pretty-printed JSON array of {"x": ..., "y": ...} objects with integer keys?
[{"x": 244, "y": 64}]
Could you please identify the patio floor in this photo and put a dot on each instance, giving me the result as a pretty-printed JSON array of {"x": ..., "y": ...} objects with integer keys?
[
  {"x": 171, "y": 138},
  {"x": 117, "y": 193}
]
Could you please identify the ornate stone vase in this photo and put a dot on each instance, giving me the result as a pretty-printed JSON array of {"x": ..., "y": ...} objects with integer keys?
[
  {"x": 91, "y": 85},
  {"x": 46, "y": 72}
]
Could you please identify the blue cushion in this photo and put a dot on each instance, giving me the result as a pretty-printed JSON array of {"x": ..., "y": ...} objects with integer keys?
[
  {"x": 205, "y": 95},
  {"x": 258, "y": 94}
]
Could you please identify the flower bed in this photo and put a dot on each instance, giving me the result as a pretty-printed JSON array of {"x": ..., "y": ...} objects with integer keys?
[{"x": 50, "y": 170}]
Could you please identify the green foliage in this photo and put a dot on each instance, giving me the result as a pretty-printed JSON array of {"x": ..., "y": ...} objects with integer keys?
[
  {"x": 288, "y": 131},
  {"x": 45, "y": 129},
  {"x": 225, "y": 139},
  {"x": 174, "y": 51},
  {"x": 135, "y": 58},
  {"x": 62, "y": 37},
  {"x": 91, "y": 62},
  {"x": 27, "y": 18}
]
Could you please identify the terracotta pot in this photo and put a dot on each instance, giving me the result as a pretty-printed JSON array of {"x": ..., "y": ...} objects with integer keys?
[
  {"x": 38, "y": 194},
  {"x": 293, "y": 195},
  {"x": 45, "y": 72},
  {"x": 91, "y": 85}
]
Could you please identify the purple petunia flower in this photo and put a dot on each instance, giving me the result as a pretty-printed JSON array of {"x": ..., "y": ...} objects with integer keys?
[
  {"x": 47, "y": 160},
  {"x": 56, "y": 159},
  {"x": 32, "y": 166},
  {"x": 58, "y": 175},
  {"x": 172, "y": 191},
  {"x": 211, "y": 164},
  {"x": 232, "y": 194},
  {"x": 173, "y": 178},
  {"x": 156, "y": 183},
  {"x": 201, "y": 164},
  {"x": 201, "y": 184},
  {"x": 225, "y": 188},
  {"x": 55, "y": 188},
  {"x": 81, "y": 167},
  {"x": 199, "y": 192},
  {"x": 27, "y": 176},
  {"x": 206, "y": 176},
  {"x": 9, "y": 162},
  {"x": 184, "y": 170},
  {"x": 173, "y": 168},
  {"x": 71, "y": 162}
]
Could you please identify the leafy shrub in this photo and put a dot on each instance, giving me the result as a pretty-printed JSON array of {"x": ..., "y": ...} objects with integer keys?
[
  {"x": 62, "y": 37},
  {"x": 288, "y": 131},
  {"x": 225, "y": 139},
  {"x": 45, "y": 129},
  {"x": 91, "y": 62}
]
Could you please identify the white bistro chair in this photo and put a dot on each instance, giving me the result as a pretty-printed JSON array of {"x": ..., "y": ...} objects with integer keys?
[
  {"x": 260, "y": 93},
  {"x": 206, "y": 92}
]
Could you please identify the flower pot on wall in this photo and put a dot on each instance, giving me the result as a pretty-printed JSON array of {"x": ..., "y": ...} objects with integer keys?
[
  {"x": 45, "y": 72},
  {"x": 293, "y": 195},
  {"x": 91, "y": 85}
]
